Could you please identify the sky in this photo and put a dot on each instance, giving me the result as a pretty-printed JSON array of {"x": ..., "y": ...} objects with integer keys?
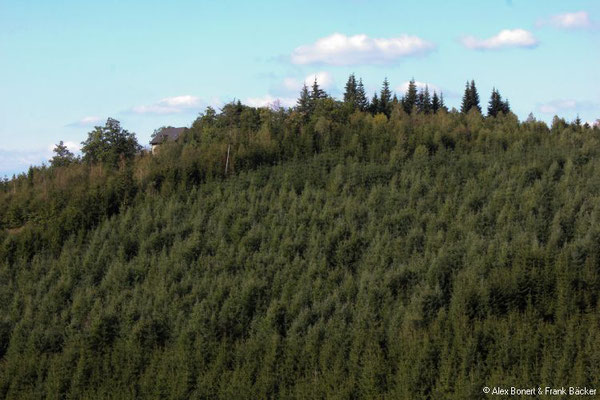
[{"x": 66, "y": 66}]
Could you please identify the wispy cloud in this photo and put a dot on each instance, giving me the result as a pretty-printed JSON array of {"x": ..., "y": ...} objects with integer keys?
[
  {"x": 554, "y": 106},
  {"x": 171, "y": 105},
  {"x": 17, "y": 161},
  {"x": 574, "y": 20},
  {"x": 85, "y": 122},
  {"x": 339, "y": 49},
  {"x": 270, "y": 101},
  {"x": 324, "y": 79},
  {"x": 504, "y": 39},
  {"x": 73, "y": 147}
]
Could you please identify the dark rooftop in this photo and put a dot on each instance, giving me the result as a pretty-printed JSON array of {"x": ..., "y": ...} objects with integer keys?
[{"x": 167, "y": 134}]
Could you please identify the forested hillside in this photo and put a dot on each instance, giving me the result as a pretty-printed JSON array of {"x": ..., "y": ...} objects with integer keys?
[{"x": 349, "y": 251}]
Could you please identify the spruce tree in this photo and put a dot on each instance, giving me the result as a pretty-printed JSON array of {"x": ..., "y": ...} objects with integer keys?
[
  {"x": 361, "y": 96},
  {"x": 410, "y": 98},
  {"x": 466, "y": 99},
  {"x": 505, "y": 107},
  {"x": 385, "y": 98},
  {"x": 316, "y": 92},
  {"x": 496, "y": 105},
  {"x": 442, "y": 104},
  {"x": 304, "y": 102},
  {"x": 474, "y": 97},
  {"x": 351, "y": 92},
  {"x": 435, "y": 102},
  {"x": 470, "y": 98},
  {"x": 63, "y": 156},
  {"x": 374, "y": 106},
  {"x": 426, "y": 101}
]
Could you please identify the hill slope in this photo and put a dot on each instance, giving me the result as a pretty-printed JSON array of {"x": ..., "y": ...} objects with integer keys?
[{"x": 424, "y": 260}]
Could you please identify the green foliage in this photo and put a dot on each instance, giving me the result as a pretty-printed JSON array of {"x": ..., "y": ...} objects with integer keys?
[
  {"x": 411, "y": 97},
  {"x": 470, "y": 99},
  {"x": 385, "y": 99},
  {"x": 63, "y": 156},
  {"x": 497, "y": 105},
  {"x": 109, "y": 144},
  {"x": 343, "y": 255}
]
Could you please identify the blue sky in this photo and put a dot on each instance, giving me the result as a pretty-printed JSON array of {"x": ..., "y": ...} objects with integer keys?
[{"x": 66, "y": 66}]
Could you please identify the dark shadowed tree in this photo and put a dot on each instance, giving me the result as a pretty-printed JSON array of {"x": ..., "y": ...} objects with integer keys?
[
  {"x": 470, "y": 98},
  {"x": 303, "y": 103},
  {"x": 374, "y": 106},
  {"x": 435, "y": 102},
  {"x": 497, "y": 105},
  {"x": 316, "y": 92},
  {"x": 385, "y": 98},
  {"x": 63, "y": 156},
  {"x": 351, "y": 92},
  {"x": 410, "y": 98},
  {"x": 424, "y": 101},
  {"x": 361, "y": 96}
]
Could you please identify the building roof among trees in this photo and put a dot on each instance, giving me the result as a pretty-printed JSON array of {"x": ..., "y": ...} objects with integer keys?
[{"x": 167, "y": 134}]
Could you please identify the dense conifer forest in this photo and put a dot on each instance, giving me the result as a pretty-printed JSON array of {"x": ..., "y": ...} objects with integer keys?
[{"x": 340, "y": 249}]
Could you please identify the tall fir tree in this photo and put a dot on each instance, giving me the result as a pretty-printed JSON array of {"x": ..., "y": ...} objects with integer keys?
[
  {"x": 374, "y": 105},
  {"x": 505, "y": 107},
  {"x": 410, "y": 98},
  {"x": 442, "y": 104},
  {"x": 475, "y": 97},
  {"x": 470, "y": 98},
  {"x": 316, "y": 92},
  {"x": 361, "y": 96},
  {"x": 424, "y": 101},
  {"x": 63, "y": 156},
  {"x": 435, "y": 102},
  {"x": 304, "y": 101},
  {"x": 385, "y": 98},
  {"x": 351, "y": 92},
  {"x": 497, "y": 105},
  {"x": 466, "y": 99}
]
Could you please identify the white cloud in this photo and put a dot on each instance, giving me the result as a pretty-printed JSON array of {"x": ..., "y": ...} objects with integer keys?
[
  {"x": 505, "y": 38},
  {"x": 420, "y": 85},
  {"x": 72, "y": 146},
  {"x": 324, "y": 79},
  {"x": 270, "y": 101},
  {"x": 86, "y": 122},
  {"x": 558, "y": 105},
  {"x": 17, "y": 161},
  {"x": 339, "y": 49},
  {"x": 170, "y": 105},
  {"x": 292, "y": 86},
  {"x": 574, "y": 20}
]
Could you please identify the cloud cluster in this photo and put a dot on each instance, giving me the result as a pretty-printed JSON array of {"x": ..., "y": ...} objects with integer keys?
[
  {"x": 73, "y": 147},
  {"x": 170, "y": 105},
  {"x": 556, "y": 106},
  {"x": 324, "y": 79},
  {"x": 574, "y": 20},
  {"x": 506, "y": 38},
  {"x": 17, "y": 161},
  {"x": 270, "y": 101},
  {"x": 339, "y": 49},
  {"x": 86, "y": 122}
]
